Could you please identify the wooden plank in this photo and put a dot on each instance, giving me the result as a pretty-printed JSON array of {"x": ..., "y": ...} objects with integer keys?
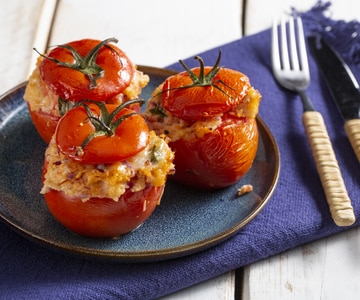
[
  {"x": 259, "y": 14},
  {"x": 326, "y": 269},
  {"x": 18, "y": 29},
  {"x": 42, "y": 31},
  {"x": 155, "y": 32},
  {"x": 219, "y": 288}
]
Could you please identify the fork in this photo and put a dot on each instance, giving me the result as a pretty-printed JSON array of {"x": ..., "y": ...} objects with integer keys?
[{"x": 291, "y": 70}]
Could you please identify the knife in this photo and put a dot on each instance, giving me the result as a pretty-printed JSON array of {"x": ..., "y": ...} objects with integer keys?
[{"x": 342, "y": 85}]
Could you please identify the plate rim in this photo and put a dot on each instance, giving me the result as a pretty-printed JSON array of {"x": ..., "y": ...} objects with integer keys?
[{"x": 154, "y": 255}]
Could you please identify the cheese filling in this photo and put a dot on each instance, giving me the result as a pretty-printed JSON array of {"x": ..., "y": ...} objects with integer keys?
[{"x": 149, "y": 167}]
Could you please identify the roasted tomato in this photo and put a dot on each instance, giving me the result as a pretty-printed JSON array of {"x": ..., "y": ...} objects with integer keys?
[
  {"x": 80, "y": 70},
  {"x": 209, "y": 115},
  {"x": 104, "y": 171},
  {"x": 103, "y": 217},
  {"x": 100, "y": 134},
  {"x": 87, "y": 69},
  {"x": 218, "y": 159},
  {"x": 194, "y": 101}
]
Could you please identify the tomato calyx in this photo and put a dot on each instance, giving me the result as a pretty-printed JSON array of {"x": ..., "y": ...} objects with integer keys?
[
  {"x": 105, "y": 123},
  {"x": 100, "y": 133},
  {"x": 65, "y": 105},
  {"x": 158, "y": 110},
  {"x": 203, "y": 92},
  {"x": 203, "y": 80},
  {"x": 85, "y": 65}
]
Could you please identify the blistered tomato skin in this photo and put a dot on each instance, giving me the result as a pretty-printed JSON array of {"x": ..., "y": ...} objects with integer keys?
[
  {"x": 194, "y": 103},
  {"x": 44, "y": 123},
  {"x": 219, "y": 159},
  {"x": 102, "y": 217},
  {"x": 215, "y": 136},
  {"x": 70, "y": 84},
  {"x": 130, "y": 137}
]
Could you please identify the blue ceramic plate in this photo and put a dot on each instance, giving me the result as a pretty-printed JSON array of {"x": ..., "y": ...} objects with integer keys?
[{"x": 187, "y": 221}]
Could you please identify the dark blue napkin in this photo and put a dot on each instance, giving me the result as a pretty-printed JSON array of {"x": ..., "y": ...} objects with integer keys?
[{"x": 296, "y": 214}]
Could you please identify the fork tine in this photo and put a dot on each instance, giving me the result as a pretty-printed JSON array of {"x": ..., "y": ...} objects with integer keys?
[
  {"x": 275, "y": 55},
  {"x": 304, "y": 64},
  {"x": 284, "y": 46},
  {"x": 293, "y": 49}
]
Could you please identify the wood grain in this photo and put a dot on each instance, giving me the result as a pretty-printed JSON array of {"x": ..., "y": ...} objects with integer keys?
[
  {"x": 153, "y": 32},
  {"x": 18, "y": 30}
]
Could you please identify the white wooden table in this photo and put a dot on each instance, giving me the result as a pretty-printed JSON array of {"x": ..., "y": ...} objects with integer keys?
[{"x": 325, "y": 269}]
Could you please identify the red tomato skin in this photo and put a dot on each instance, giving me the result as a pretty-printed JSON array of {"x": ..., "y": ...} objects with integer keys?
[
  {"x": 73, "y": 85},
  {"x": 103, "y": 217},
  {"x": 198, "y": 102},
  {"x": 220, "y": 158},
  {"x": 130, "y": 137},
  {"x": 44, "y": 123}
]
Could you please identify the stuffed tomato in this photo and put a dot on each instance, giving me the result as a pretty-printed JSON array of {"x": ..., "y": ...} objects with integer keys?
[
  {"x": 104, "y": 171},
  {"x": 209, "y": 115},
  {"x": 86, "y": 69}
]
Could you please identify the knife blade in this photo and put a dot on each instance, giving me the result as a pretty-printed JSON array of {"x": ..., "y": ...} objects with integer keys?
[{"x": 342, "y": 85}]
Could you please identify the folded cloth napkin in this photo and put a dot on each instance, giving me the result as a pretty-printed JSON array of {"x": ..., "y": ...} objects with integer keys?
[{"x": 296, "y": 214}]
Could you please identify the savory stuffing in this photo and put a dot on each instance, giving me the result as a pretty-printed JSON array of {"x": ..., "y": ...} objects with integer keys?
[
  {"x": 245, "y": 189},
  {"x": 149, "y": 167}
]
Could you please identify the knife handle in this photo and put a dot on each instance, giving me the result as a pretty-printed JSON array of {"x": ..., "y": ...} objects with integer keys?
[
  {"x": 352, "y": 129},
  {"x": 327, "y": 166}
]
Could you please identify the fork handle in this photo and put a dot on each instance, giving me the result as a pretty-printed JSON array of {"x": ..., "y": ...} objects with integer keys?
[
  {"x": 327, "y": 166},
  {"x": 352, "y": 129}
]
